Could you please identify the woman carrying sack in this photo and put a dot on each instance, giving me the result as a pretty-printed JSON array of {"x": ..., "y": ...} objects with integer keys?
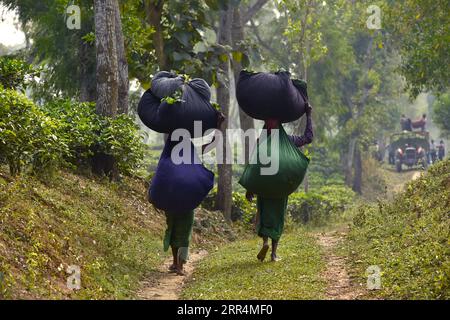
[
  {"x": 272, "y": 210},
  {"x": 177, "y": 188}
]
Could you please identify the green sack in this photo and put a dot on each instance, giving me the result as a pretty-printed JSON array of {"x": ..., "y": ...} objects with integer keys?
[{"x": 292, "y": 165}]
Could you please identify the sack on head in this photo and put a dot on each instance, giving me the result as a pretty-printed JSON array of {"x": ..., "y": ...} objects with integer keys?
[
  {"x": 265, "y": 96},
  {"x": 172, "y": 103}
]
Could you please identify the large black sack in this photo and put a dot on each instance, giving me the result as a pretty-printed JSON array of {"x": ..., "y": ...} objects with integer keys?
[
  {"x": 148, "y": 112},
  {"x": 159, "y": 115},
  {"x": 264, "y": 96},
  {"x": 179, "y": 188},
  {"x": 165, "y": 83}
]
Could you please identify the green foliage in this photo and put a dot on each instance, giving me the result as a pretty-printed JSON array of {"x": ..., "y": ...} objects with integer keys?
[
  {"x": 27, "y": 135},
  {"x": 85, "y": 133},
  {"x": 68, "y": 59},
  {"x": 408, "y": 238},
  {"x": 63, "y": 132},
  {"x": 324, "y": 167},
  {"x": 120, "y": 138},
  {"x": 79, "y": 127},
  {"x": 441, "y": 113},
  {"x": 241, "y": 208},
  {"x": 419, "y": 30},
  {"x": 321, "y": 206},
  {"x": 176, "y": 97},
  {"x": 15, "y": 73}
]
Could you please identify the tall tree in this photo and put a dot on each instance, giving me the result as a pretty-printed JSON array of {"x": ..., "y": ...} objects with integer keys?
[
  {"x": 106, "y": 53},
  {"x": 112, "y": 72},
  {"x": 224, "y": 185},
  {"x": 122, "y": 64},
  {"x": 419, "y": 29},
  {"x": 154, "y": 14}
]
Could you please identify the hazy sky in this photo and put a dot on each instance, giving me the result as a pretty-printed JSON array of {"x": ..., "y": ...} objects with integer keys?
[{"x": 9, "y": 35}]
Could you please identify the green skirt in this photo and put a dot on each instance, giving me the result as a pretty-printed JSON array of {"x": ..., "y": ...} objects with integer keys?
[
  {"x": 178, "y": 232},
  {"x": 271, "y": 217}
]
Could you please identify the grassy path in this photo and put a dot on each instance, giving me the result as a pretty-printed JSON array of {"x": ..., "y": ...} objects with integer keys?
[
  {"x": 339, "y": 285},
  {"x": 312, "y": 267},
  {"x": 162, "y": 285},
  {"x": 233, "y": 272}
]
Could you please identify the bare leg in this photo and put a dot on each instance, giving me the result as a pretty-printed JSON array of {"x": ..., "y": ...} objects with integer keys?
[
  {"x": 274, "y": 251},
  {"x": 265, "y": 247},
  {"x": 179, "y": 265},
  {"x": 173, "y": 266}
]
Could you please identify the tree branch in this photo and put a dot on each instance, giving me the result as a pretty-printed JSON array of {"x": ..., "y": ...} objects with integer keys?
[
  {"x": 264, "y": 44},
  {"x": 250, "y": 12}
]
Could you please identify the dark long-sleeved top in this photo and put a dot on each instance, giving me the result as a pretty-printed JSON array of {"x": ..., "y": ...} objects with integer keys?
[{"x": 307, "y": 137}]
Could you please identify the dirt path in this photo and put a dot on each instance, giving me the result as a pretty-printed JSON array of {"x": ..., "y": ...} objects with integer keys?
[
  {"x": 339, "y": 286},
  {"x": 162, "y": 285},
  {"x": 397, "y": 181}
]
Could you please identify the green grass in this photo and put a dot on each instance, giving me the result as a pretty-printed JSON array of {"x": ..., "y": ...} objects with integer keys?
[
  {"x": 108, "y": 229},
  {"x": 233, "y": 272},
  {"x": 408, "y": 237}
]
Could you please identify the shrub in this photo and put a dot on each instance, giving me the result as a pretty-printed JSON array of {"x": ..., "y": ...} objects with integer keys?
[
  {"x": 120, "y": 138},
  {"x": 27, "y": 135},
  {"x": 319, "y": 206},
  {"x": 80, "y": 127},
  {"x": 241, "y": 209},
  {"x": 14, "y": 73},
  {"x": 87, "y": 133},
  {"x": 408, "y": 238},
  {"x": 63, "y": 132},
  {"x": 441, "y": 113}
]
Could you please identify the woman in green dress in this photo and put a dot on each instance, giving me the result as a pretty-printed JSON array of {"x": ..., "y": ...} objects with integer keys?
[
  {"x": 271, "y": 211},
  {"x": 178, "y": 236}
]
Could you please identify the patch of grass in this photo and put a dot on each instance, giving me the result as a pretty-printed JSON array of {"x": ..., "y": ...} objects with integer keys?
[
  {"x": 107, "y": 229},
  {"x": 408, "y": 238},
  {"x": 233, "y": 272}
]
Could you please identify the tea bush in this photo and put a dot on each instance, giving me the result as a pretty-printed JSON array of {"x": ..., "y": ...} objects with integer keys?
[
  {"x": 15, "y": 73},
  {"x": 318, "y": 207},
  {"x": 241, "y": 209},
  {"x": 408, "y": 238},
  {"x": 63, "y": 133},
  {"x": 27, "y": 135}
]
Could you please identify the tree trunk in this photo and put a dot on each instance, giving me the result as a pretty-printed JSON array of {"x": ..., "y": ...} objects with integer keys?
[
  {"x": 357, "y": 179},
  {"x": 106, "y": 54},
  {"x": 224, "y": 184},
  {"x": 153, "y": 12},
  {"x": 88, "y": 90},
  {"x": 237, "y": 34},
  {"x": 107, "y": 76},
  {"x": 122, "y": 63},
  {"x": 349, "y": 162}
]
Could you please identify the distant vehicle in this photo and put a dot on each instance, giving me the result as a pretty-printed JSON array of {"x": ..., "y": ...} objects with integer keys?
[{"x": 411, "y": 149}]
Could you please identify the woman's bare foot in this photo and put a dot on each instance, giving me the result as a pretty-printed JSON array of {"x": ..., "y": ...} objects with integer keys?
[
  {"x": 173, "y": 268},
  {"x": 263, "y": 252},
  {"x": 179, "y": 270},
  {"x": 274, "y": 258}
]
